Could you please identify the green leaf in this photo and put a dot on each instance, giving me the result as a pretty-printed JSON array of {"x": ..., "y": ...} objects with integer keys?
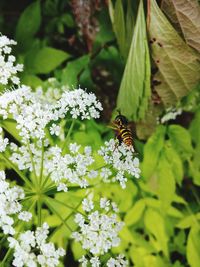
[
  {"x": 135, "y": 86},
  {"x": 179, "y": 70},
  {"x": 135, "y": 213},
  {"x": 181, "y": 140},
  {"x": 31, "y": 80},
  {"x": 29, "y": 23},
  {"x": 119, "y": 26},
  {"x": 155, "y": 224},
  {"x": 72, "y": 70},
  {"x": 166, "y": 183},
  {"x": 175, "y": 164},
  {"x": 47, "y": 59},
  {"x": 188, "y": 221},
  {"x": 195, "y": 128},
  {"x": 193, "y": 245},
  {"x": 152, "y": 150}
]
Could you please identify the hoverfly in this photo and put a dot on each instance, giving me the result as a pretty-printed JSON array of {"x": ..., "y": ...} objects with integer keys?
[{"x": 122, "y": 128}]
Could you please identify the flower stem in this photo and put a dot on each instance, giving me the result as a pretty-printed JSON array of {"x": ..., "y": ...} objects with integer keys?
[
  {"x": 22, "y": 176},
  {"x": 32, "y": 162},
  {"x": 68, "y": 134},
  {"x": 39, "y": 210},
  {"x": 58, "y": 215},
  {"x": 42, "y": 163}
]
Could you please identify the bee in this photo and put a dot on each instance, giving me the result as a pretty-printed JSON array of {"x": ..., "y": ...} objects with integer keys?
[{"x": 122, "y": 128}]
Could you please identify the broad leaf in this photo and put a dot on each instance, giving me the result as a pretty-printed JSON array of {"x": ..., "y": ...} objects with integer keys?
[
  {"x": 155, "y": 224},
  {"x": 29, "y": 23},
  {"x": 181, "y": 140},
  {"x": 179, "y": 70},
  {"x": 188, "y": 14},
  {"x": 135, "y": 213},
  {"x": 166, "y": 183},
  {"x": 47, "y": 59},
  {"x": 72, "y": 70},
  {"x": 152, "y": 150},
  {"x": 135, "y": 86},
  {"x": 193, "y": 245}
]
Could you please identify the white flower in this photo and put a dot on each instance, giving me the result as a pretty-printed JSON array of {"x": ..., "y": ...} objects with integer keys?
[
  {"x": 8, "y": 70},
  {"x": 171, "y": 114},
  {"x": 25, "y": 216},
  {"x": 87, "y": 204},
  {"x": 120, "y": 261},
  {"x": 95, "y": 262},
  {"x": 55, "y": 129},
  {"x": 98, "y": 231},
  {"x": 122, "y": 159},
  {"x": 31, "y": 249},
  {"x": 83, "y": 261},
  {"x": 9, "y": 205}
]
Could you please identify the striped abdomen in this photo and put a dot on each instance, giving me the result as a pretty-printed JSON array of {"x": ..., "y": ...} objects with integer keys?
[{"x": 125, "y": 135}]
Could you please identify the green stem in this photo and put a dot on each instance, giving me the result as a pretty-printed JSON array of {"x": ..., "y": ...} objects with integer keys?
[
  {"x": 68, "y": 134},
  {"x": 6, "y": 257},
  {"x": 67, "y": 206},
  {"x": 58, "y": 215},
  {"x": 39, "y": 210},
  {"x": 32, "y": 162},
  {"x": 22, "y": 176},
  {"x": 42, "y": 163}
]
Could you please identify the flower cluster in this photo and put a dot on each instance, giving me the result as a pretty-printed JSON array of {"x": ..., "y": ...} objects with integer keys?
[
  {"x": 33, "y": 112},
  {"x": 9, "y": 205},
  {"x": 123, "y": 160},
  {"x": 171, "y": 114},
  {"x": 3, "y": 141},
  {"x": 98, "y": 230},
  {"x": 119, "y": 261},
  {"x": 8, "y": 69},
  {"x": 69, "y": 168},
  {"x": 31, "y": 249}
]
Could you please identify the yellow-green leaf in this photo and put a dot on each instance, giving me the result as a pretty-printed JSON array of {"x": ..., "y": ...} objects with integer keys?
[
  {"x": 193, "y": 245},
  {"x": 135, "y": 213}
]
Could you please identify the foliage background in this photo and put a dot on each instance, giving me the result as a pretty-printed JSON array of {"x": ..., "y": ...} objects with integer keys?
[{"x": 106, "y": 47}]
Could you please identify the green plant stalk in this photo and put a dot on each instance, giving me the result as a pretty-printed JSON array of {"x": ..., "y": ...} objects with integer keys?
[
  {"x": 42, "y": 164},
  {"x": 33, "y": 164},
  {"x": 22, "y": 176},
  {"x": 68, "y": 134},
  {"x": 39, "y": 211},
  {"x": 58, "y": 215}
]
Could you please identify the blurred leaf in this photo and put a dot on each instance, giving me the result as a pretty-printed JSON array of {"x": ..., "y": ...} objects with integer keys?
[
  {"x": 29, "y": 23},
  {"x": 135, "y": 85},
  {"x": 135, "y": 213},
  {"x": 166, "y": 183},
  {"x": 152, "y": 150},
  {"x": 179, "y": 70},
  {"x": 176, "y": 164},
  {"x": 155, "y": 225},
  {"x": 31, "y": 80},
  {"x": 188, "y": 14},
  {"x": 188, "y": 221},
  {"x": 72, "y": 70},
  {"x": 195, "y": 128},
  {"x": 181, "y": 140},
  {"x": 193, "y": 245},
  {"x": 47, "y": 59},
  {"x": 119, "y": 26},
  {"x": 168, "y": 8}
]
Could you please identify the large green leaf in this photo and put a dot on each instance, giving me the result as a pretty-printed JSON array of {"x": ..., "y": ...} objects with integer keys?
[
  {"x": 155, "y": 224},
  {"x": 135, "y": 213},
  {"x": 188, "y": 14},
  {"x": 179, "y": 70},
  {"x": 166, "y": 183},
  {"x": 152, "y": 150},
  {"x": 72, "y": 70},
  {"x": 47, "y": 59},
  {"x": 193, "y": 245},
  {"x": 135, "y": 86},
  {"x": 181, "y": 140},
  {"x": 29, "y": 23}
]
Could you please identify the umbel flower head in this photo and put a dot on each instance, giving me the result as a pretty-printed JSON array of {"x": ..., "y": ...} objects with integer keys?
[
  {"x": 98, "y": 230},
  {"x": 10, "y": 206},
  {"x": 122, "y": 159},
  {"x": 31, "y": 249}
]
